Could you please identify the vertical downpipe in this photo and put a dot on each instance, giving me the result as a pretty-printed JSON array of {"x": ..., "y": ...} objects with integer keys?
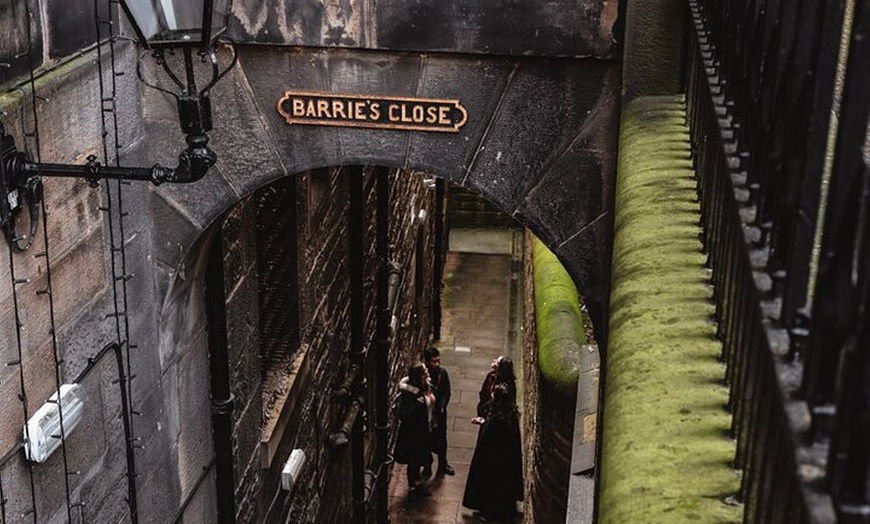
[
  {"x": 221, "y": 396},
  {"x": 382, "y": 334},
  {"x": 438, "y": 266},
  {"x": 356, "y": 230}
]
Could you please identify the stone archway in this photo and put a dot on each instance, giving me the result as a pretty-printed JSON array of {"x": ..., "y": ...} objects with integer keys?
[{"x": 539, "y": 143}]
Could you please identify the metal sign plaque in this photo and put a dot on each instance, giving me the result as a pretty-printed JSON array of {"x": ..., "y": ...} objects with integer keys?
[{"x": 378, "y": 112}]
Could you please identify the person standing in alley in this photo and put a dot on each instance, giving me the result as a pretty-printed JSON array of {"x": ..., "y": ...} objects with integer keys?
[
  {"x": 501, "y": 372},
  {"x": 440, "y": 380},
  {"x": 415, "y": 407},
  {"x": 495, "y": 477}
]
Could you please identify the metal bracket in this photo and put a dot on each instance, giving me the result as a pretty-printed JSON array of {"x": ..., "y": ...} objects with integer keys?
[{"x": 21, "y": 184}]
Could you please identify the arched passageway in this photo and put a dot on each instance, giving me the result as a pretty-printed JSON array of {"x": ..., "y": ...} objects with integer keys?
[
  {"x": 539, "y": 141},
  {"x": 279, "y": 314}
]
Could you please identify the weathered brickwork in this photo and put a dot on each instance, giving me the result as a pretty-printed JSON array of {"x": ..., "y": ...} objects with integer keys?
[
  {"x": 322, "y": 202},
  {"x": 548, "y": 430}
]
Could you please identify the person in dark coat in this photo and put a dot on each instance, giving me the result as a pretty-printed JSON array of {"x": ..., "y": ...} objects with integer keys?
[
  {"x": 501, "y": 372},
  {"x": 440, "y": 380},
  {"x": 495, "y": 477},
  {"x": 415, "y": 408}
]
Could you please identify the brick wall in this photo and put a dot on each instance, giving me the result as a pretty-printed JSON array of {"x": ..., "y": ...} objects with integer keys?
[{"x": 324, "y": 492}]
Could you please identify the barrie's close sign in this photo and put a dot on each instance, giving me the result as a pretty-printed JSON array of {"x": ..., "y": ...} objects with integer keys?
[{"x": 378, "y": 112}]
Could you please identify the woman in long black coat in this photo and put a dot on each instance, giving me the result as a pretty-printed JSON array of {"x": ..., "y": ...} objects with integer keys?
[
  {"x": 495, "y": 478},
  {"x": 501, "y": 372},
  {"x": 414, "y": 408}
]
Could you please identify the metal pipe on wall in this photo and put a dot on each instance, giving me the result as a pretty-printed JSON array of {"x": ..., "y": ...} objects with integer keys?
[
  {"x": 394, "y": 283},
  {"x": 382, "y": 340},
  {"x": 356, "y": 263},
  {"x": 438, "y": 266},
  {"x": 219, "y": 371}
]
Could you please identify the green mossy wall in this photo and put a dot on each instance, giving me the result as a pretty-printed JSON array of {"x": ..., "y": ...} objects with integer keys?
[
  {"x": 560, "y": 338},
  {"x": 665, "y": 456},
  {"x": 558, "y": 319}
]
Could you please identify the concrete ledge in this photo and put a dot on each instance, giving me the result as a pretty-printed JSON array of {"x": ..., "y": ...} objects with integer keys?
[
  {"x": 581, "y": 487},
  {"x": 665, "y": 456}
]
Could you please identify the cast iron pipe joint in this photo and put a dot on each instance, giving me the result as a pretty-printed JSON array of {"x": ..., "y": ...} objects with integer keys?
[
  {"x": 394, "y": 280},
  {"x": 344, "y": 389},
  {"x": 223, "y": 406},
  {"x": 193, "y": 163},
  {"x": 341, "y": 437},
  {"x": 354, "y": 412}
]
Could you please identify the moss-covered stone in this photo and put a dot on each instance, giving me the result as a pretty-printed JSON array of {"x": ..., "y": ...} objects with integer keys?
[
  {"x": 665, "y": 455},
  {"x": 558, "y": 321}
]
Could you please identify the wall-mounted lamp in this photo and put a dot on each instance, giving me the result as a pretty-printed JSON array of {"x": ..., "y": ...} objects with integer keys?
[
  {"x": 42, "y": 434},
  {"x": 189, "y": 25}
]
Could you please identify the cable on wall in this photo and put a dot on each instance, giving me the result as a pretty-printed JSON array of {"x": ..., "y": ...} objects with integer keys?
[
  {"x": 117, "y": 241},
  {"x": 47, "y": 291}
]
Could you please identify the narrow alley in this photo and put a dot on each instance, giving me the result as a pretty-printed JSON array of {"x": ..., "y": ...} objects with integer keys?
[{"x": 479, "y": 323}]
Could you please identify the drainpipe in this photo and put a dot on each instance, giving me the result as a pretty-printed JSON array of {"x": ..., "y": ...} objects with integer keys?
[
  {"x": 356, "y": 261},
  {"x": 382, "y": 341},
  {"x": 394, "y": 283},
  {"x": 219, "y": 369},
  {"x": 438, "y": 266}
]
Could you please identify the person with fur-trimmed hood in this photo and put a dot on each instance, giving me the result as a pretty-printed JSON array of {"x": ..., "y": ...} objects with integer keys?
[{"x": 415, "y": 408}]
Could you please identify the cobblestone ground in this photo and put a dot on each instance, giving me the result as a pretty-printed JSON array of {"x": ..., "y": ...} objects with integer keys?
[{"x": 476, "y": 310}]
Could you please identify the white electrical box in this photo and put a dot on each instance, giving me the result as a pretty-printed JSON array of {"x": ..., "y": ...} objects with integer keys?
[
  {"x": 292, "y": 468},
  {"x": 42, "y": 434}
]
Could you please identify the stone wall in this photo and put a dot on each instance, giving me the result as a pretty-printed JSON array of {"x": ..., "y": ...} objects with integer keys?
[
  {"x": 149, "y": 298},
  {"x": 74, "y": 292},
  {"x": 161, "y": 318}
]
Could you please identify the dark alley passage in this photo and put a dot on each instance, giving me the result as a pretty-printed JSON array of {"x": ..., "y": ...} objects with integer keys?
[{"x": 478, "y": 321}]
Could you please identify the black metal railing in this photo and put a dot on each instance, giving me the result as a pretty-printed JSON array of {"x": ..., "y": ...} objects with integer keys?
[{"x": 778, "y": 96}]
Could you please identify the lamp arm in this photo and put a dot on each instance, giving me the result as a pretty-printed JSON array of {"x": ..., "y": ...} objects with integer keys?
[
  {"x": 21, "y": 183},
  {"x": 193, "y": 163},
  {"x": 92, "y": 171}
]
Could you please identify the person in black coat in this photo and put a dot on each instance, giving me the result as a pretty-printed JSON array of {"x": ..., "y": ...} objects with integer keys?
[
  {"x": 495, "y": 478},
  {"x": 440, "y": 381},
  {"x": 501, "y": 372},
  {"x": 415, "y": 408}
]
